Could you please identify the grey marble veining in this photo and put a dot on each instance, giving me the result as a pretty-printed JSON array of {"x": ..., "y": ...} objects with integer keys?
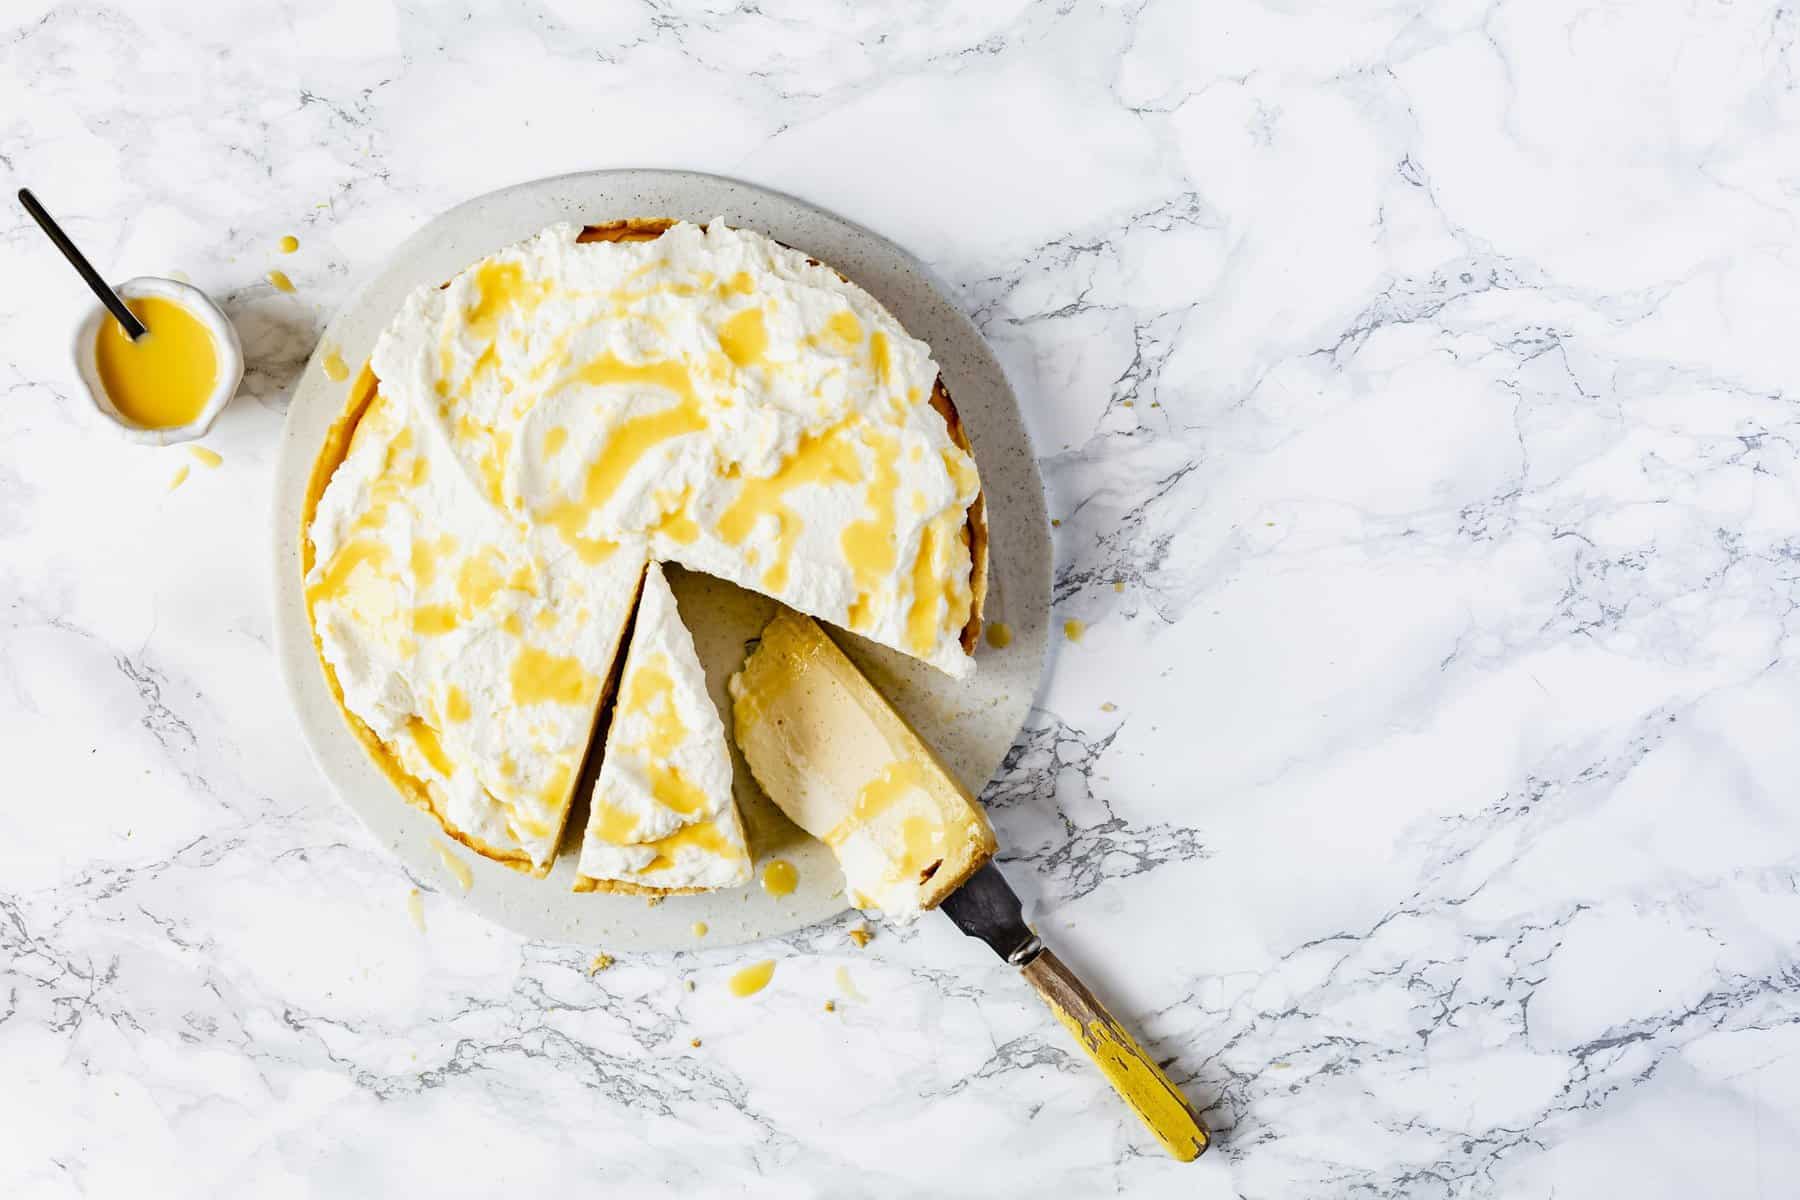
[{"x": 1410, "y": 384}]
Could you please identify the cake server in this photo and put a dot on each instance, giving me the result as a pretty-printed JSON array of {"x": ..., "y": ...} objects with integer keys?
[{"x": 986, "y": 907}]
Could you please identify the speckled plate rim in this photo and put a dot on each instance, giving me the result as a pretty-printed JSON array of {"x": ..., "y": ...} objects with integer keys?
[{"x": 973, "y": 722}]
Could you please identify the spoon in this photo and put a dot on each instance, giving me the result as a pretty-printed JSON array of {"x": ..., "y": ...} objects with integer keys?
[{"x": 134, "y": 328}]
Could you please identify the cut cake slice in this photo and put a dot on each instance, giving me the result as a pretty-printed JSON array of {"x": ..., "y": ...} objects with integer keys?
[
  {"x": 845, "y": 767},
  {"x": 662, "y": 819}
]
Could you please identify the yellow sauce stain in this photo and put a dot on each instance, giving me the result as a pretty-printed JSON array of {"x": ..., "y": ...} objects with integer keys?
[
  {"x": 556, "y": 790},
  {"x": 478, "y": 579},
  {"x": 279, "y": 281},
  {"x": 999, "y": 634},
  {"x": 740, "y": 284},
  {"x": 334, "y": 366},
  {"x": 868, "y": 543},
  {"x": 600, "y": 963},
  {"x": 415, "y": 907},
  {"x": 823, "y": 458},
  {"x": 700, "y": 929},
  {"x": 881, "y": 359},
  {"x": 345, "y": 564},
  {"x": 426, "y": 739},
  {"x": 514, "y": 624},
  {"x": 426, "y": 554},
  {"x": 555, "y": 440},
  {"x": 1118, "y": 585},
  {"x": 288, "y": 244},
  {"x": 845, "y": 327},
  {"x": 612, "y": 824},
  {"x": 847, "y": 986},
  {"x": 877, "y": 796},
  {"x": 780, "y": 878},
  {"x": 753, "y": 978},
  {"x": 744, "y": 337},
  {"x": 164, "y": 379},
  {"x": 179, "y": 478},
  {"x": 630, "y": 442},
  {"x": 701, "y": 835},
  {"x": 1073, "y": 629},
  {"x": 456, "y": 866},
  {"x": 540, "y": 677},
  {"x": 862, "y": 935},
  {"x": 432, "y": 620},
  {"x": 456, "y": 705},
  {"x": 923, "y": 620},
  {"x": 650, "y": 694},
  {"x": 211, "y": 458},
  {"x": 500, "y": 288}
]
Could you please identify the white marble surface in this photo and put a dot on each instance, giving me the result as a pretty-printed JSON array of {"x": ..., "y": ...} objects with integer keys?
[{"x": 1420, "y": 373}]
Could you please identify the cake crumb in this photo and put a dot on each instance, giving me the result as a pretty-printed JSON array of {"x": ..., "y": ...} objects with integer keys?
[
  {"x": 695, "y": 1043},
  {"x": 1055, "y": 522},
  {"x": 1109, "y": 706},
  {"x": 862, "y": 935},
  {"x": 652, "y": 901},
  {"x": 600, "y": 963},
  {"x": 831, "y": 1006},
  {"x": 690, "y": 984},
  {"x": 1118, "y": 585}
]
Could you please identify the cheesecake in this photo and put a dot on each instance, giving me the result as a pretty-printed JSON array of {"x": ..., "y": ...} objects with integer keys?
[
  {"x": 836, "y": 758},
  {"x": 661, "y": 818},
  {"x": 529, "y": 440}
]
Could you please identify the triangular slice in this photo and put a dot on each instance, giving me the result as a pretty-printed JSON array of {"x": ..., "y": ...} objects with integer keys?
[
  {"x": 662, "y": 819},
  {"x": 845, "y": 767}
]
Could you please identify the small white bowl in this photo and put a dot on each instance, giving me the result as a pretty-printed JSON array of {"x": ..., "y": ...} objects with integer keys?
[{"x": 225, "y": 345}]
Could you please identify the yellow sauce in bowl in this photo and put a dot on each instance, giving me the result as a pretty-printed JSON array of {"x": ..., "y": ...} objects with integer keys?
[{"x": 164, "y": 379}]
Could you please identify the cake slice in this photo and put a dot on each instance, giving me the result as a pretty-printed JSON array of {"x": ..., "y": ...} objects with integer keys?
[
  {"x": 662, "y": 819},
  {"x": 845, "y": 767}
]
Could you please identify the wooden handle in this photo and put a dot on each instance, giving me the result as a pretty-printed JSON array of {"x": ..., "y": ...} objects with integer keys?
[{"x": 1142, "y": 1084}]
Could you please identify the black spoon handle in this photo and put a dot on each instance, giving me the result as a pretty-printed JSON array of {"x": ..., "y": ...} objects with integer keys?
[{"x": 134, "y": 328}]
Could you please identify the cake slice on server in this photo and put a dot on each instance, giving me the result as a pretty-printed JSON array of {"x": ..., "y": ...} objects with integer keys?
[
  {"x": 662, "y": 819},
  {"x": 845, "y": 767}
]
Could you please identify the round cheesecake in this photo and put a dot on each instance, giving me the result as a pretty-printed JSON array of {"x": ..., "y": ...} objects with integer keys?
[{"x": 528, "y": 440}]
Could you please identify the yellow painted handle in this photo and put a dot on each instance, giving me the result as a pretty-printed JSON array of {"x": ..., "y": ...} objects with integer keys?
[{"x": 1142, "y": 1084}]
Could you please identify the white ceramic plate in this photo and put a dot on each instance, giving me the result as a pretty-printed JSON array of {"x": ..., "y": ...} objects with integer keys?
[{"x": 972, "y": 723}]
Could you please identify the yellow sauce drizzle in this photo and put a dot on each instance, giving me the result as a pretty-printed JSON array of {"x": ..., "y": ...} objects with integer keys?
[
  {"x": 1073, "y": 629},
  {"x": 700, "y": 929},
  {"x": 456, "y": 866},
  {"x": 288, "y": 244},
  {"x": 426, "y": 739},
  {"x": 179, "y": 478},
  {"x": 821, "y": 458},
  {"x": 554, "y": 440},
  {"x": 846, "y": 986},
  {"x": 280, "y": 282},
  {"x": 780, "y": 878},
  {"x": 999, "y": 635},
  {"x": 164, "y": 379},
  {"x": 540, "y": 677},
  {"x": 630, "y": 442},
  {"x": 456, "y": 705},
  {"x": 868, "y": 543},
  {"x": 744, "y": 337},
  {"x": 211, "y": 458},
  {"x": 753, "y": 978},
  {"x": 334, "y": 365},
  {"x": 845, "y": 327},
  {"x": 876, "y": 797}
]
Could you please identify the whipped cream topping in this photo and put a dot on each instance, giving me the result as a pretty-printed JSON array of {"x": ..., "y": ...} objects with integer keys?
[
  {"x": 744, "y": 410},
  {"x": 662, "y": 815},
  {"x": 563, "y": 413}
]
